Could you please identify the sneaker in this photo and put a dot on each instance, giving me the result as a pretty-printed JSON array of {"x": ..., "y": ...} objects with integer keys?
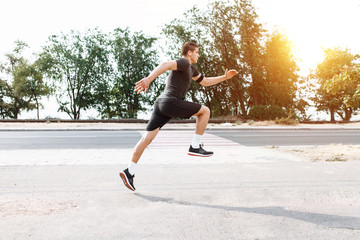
[
  {"x": 199, "y": 152},
  {"x": 128, "y": 179}
]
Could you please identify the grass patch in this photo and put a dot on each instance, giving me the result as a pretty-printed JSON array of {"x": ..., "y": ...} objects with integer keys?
[
  {"x": 338, "y": 158},
  {"x": 287, "y": 121}
]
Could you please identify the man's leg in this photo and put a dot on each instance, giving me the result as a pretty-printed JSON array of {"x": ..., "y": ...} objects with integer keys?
[
  {"x": 196, "y": 149},
  {"x": 203, "y": 116},
  {"x": 128, "y": 174},
  {"x": 143, "y": 143}
]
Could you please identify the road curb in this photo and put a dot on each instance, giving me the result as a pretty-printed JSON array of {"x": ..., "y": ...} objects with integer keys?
[{"x": 180, "y": 129}]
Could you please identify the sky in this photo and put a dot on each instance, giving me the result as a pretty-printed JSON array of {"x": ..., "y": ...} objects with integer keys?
[{"x": 311, "y": 25}]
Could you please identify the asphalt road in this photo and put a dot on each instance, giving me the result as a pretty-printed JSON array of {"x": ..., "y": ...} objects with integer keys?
[
  {"x": 286, "y": 137},
  {"x": 127, "y": 139}
]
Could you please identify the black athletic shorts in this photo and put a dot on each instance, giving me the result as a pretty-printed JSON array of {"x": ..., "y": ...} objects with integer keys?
[{"x": 167, "y": 108}]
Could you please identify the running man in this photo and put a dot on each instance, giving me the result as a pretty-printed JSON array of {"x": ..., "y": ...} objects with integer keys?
[{"x": 171, "y": 104}]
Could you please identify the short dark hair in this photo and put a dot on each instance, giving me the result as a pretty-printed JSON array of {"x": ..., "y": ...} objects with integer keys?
[{"x": 188, "y": 46}]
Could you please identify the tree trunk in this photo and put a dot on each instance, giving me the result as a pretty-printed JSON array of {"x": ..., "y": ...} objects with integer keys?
[
  {"x": 37, "y": 108},
  {"x": 332, "y": 114},
  {"x": 348, "y": 114}
]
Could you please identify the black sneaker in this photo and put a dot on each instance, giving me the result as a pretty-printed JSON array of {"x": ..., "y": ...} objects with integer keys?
[
  {"x": 128, "y": 179},
  {"x": 199, "y": 152}
]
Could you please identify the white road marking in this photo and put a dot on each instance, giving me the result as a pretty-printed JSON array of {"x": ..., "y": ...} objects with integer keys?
[{"x": 182, "y": 139}]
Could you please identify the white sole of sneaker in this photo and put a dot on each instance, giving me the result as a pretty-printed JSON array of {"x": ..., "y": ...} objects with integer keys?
[
  {"x": 126, "y": 181},
  {"x": 198, "y": 155}
]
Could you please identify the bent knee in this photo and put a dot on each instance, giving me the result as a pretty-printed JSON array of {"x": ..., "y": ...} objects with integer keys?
[
  {"x": 146, "y": 140},
  {"x": 205, "y": 110}
]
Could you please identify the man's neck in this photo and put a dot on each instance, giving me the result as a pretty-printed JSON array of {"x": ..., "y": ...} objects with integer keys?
[{"x": 188, "y": 58}]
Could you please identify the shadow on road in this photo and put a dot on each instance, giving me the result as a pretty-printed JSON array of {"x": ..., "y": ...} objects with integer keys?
[{"x": 328, "y": 220}]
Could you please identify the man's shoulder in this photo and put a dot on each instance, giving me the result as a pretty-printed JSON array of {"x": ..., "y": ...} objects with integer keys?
[
  {"x": 182, "y": 64},
  {"x": 182, "y": 60}
]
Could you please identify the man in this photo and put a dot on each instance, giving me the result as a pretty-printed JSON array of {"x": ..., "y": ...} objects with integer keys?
[{"x": 171, "y": 104}]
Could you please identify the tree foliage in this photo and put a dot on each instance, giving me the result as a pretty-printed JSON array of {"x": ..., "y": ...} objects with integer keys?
[
  {"x": 229, "y": 35},
  {"x": 77, "y": 63},
  {"x": 281, "y": 72},
  {"x": 23, "y": 87},
  {"x": 94, "y": 70},
  {"x": 134, "y": 58},
  {"x": 346, "y": 84},
  {"x": 97, "y": 70},
  {"x": 327, "y": 99}
]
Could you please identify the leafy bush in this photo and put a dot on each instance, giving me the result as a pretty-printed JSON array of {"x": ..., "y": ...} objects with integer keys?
[{"x": 263, "y": 112}]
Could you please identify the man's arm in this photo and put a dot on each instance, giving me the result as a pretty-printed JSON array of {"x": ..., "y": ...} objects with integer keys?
[
  {"x": 209, "y": 81},
  {"x": 143, "y": 84}
]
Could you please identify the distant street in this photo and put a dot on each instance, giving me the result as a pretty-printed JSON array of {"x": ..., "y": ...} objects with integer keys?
[
  {"x": 127, "y": 139},
  {"x": 287, "y": 137}
]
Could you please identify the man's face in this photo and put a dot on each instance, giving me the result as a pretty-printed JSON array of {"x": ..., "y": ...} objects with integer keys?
[{"x": 194, "y": 55}]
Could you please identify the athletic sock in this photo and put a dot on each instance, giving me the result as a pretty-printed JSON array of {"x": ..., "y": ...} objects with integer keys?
[
  {"x": 196, "y": 141},
  {"x": 132, "y": 167}
]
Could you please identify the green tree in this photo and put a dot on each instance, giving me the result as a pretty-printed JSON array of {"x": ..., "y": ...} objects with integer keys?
[
  {"x": 5, "y": 106},
  {"x": 29, "y": 81},
  {"x": 134, "y": 58},
  {"x": 78, "y": 64},
  {"x": 334, "y": 61},
  {"x": 228, "y": 36},
  {"x": 347, "y": 85},
  {"x": 24, "y": 87},
  {"x": 305, "y": 88},
  {"x": 281, "y": 76}
]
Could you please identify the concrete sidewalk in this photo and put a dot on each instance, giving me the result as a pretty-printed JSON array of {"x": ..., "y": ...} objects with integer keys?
[{"x": 239, "y": 193}]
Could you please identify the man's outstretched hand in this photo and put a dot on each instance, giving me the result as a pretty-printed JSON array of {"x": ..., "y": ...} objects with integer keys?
[
  {"x": 142, "y": 85},
  {"x": 230, "y": 73}
]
